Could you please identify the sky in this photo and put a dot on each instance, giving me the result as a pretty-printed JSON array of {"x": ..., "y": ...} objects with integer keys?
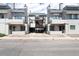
[
  {"x": 34, "y": 6},
  {"x": 42, "y": 1}
]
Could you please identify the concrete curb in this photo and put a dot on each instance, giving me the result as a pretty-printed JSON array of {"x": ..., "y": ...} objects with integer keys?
[{"x": 38, "y": 38}]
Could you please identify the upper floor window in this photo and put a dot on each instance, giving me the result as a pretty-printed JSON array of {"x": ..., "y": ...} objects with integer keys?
[
  {"x": 69, "y": 16},
  {"x": 55, "y": 17},
  {"x": 72, "y": 16},
  {"x": 18, "y": 17},
  {"x": 75, "y": 16}
]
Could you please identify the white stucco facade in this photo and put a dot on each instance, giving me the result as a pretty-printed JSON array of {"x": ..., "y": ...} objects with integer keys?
[
  {"x": 4, "y": 26},
  {"x": 56, "y": 21}
]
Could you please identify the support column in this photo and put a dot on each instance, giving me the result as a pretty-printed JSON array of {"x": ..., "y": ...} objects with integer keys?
[
  {"x": 26, "y": 28},
  {"x": 66, "y": 28},
  {"x": 7, "y": 32},
  {"x": 48, "y": 29}
]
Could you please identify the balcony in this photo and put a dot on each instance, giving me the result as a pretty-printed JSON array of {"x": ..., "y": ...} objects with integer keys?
[
  {"x": 64, "y": 21},
  {"x": 15, "y": 21}
]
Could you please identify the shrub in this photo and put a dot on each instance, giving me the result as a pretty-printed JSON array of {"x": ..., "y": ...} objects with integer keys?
[{"x": 1, "y": 35}]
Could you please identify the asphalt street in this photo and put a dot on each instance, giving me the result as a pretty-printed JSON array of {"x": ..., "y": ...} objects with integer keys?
[{"x": 39, "y": 47}]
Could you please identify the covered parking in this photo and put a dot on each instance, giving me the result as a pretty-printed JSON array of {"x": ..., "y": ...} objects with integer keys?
[
  {"x": 57, "y": 28},
  {"x": 16, "y": 29}
]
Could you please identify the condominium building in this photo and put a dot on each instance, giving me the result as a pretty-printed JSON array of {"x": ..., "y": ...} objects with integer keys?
[{"x": 56, "y": 21}]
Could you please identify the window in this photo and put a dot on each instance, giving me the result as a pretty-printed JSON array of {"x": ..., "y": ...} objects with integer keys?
[
  {"x": 18, "y": 17},
  {"x": 72, "y": 16},
  {"x": 69, "y": 16},
  {"x": 75, "y": 16},
  {"x": 72, "y": 27},
  {"x": 55, "y": 17}
]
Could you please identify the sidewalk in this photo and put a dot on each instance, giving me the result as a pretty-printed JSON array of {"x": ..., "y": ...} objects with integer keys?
[{"x": 39, "y": 36}]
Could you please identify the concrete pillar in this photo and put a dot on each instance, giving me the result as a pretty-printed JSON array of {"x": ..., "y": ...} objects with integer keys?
[
  {"x": 26, "y": 28},
  {"x": 7, "y": 32},
  {"x": 48, "y": 28},
  {"x": 46, "y": 20},
  {"x": 13, "y": 18},
  {"x": 66, "y": 28}
]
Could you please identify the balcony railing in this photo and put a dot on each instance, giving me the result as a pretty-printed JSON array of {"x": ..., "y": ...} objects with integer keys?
[
  {"x": 15, "y": 21},
  {"x": 62, "y": 21},
  {"x": 21, "y": 21}
]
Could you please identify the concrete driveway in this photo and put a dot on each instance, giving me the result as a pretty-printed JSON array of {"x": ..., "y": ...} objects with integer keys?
[{"x": 39, "y": 48}]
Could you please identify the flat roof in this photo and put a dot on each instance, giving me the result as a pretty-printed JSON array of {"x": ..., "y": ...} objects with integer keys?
[
  {"x": 71, "y": 7},
  {"x": 55, "y": 11},
  {"x": 40, "y": 14},
  {"x": 4, "y": 7},
  {"x": 18, "y": 10}
]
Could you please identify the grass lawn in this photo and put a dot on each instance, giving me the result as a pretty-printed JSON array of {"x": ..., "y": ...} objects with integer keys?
[{"x": 1, "y": 35}]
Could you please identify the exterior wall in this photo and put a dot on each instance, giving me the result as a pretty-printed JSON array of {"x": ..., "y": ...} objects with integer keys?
[
  {"x": 4, "y": 23},
  {"x": 67, "y": 25},
  {"x": 76, "y": 31},
  {"x": 32, "y": 21},
  {"x": 7, "y": 31},
  {"x": 18, "y": 32},
  {"x": 55, "y": 32},
  {"x": 4, "y": 27},
  {"x": 15, "y": 21},
  {"x": 32, "y": 25}
]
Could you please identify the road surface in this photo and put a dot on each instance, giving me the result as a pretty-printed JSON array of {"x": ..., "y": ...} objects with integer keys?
[{"x": 39, "y": 48}]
